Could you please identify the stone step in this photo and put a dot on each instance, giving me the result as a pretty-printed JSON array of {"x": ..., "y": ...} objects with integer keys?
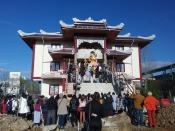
[
  {"x": 95, "y": 87},
  {"x": 70, "y": 88}
]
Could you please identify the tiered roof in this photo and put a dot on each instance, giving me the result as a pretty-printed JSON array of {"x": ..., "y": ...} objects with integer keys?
[{"x": 87, "y": 27}]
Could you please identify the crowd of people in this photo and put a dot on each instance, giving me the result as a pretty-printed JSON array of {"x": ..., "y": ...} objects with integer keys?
[
  {"x": 89, "y": 73},
  {"x": 61, "y": 109},
  {"x": 89, "y": 70}
]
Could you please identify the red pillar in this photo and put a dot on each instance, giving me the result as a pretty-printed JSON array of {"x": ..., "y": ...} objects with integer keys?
[
  {"x": 33, "y": 61},
  {"x": 105, "y": 49},
  {"x": 75, "y": 50}
]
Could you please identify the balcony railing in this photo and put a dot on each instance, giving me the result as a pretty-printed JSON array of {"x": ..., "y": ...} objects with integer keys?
[
  {"x": 118, "y": 52},
  {"x": 61, "y": 50},
  {"x": 122, "y": 50},
  {"x": 60, "y": 74}
]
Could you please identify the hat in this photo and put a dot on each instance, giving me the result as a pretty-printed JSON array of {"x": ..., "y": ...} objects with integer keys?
[{"x": 149, "y": 93}]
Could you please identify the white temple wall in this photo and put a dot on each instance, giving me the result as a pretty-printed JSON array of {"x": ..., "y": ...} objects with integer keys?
[
  {"x": 46, "y": 59},
  {"x": 127, "y": 62},
  {"x": 38, "y": 65},
  {"x": 132, "y": 67},
  {"x": 42, "y": 63},
  {"x": 45, "y": 89},
  {"x": 42, "y": 59}
]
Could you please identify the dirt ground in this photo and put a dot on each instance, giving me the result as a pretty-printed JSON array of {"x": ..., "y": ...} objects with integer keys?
[
  {"x": 13, "y": 123},
  {"x": 120, "y": 122}
]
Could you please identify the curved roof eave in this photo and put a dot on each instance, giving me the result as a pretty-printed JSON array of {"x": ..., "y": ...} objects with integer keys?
[
  {"x": 31, "y": 38},
  {"x": 140, "y": 40}
]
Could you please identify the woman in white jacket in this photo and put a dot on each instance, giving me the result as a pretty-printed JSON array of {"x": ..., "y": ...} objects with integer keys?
[
  {"x": 14, "y": 105},
  {"x": 62, "y": 110},
  {"x": 23, "y": 107}
]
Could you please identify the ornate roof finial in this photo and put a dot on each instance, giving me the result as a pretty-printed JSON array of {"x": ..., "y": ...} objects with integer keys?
[
  {"x": 21, "y": 33},
  {"x": 120, "y": 26},
  {"x": 125, "y": 35},
  {"x": 63, "y": 24},
  {"x": 89, "y": 19},
  {"x": 151, "y": 37},
  {"x": 49, "y": 33}
]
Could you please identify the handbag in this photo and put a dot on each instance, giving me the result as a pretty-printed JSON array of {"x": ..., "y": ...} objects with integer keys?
[
  {"x": 95, "y": 122},
  {"x": 78, "y": 109}
]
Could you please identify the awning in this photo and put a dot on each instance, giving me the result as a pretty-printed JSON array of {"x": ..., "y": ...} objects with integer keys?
[{"x": 118, "y": 54}]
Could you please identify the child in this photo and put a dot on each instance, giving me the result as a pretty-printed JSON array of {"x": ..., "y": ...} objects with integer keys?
[{"x": 37, "y": 113}]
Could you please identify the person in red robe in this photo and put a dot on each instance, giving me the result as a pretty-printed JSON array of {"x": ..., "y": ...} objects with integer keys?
[{"x": 150, "y": 103}]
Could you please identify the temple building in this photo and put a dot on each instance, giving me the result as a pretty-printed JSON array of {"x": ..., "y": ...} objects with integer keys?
[{"x": 88, "y": 53}]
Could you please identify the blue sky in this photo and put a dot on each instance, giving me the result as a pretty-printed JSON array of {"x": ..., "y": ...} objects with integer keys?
[{"x": 141, "y": 17}]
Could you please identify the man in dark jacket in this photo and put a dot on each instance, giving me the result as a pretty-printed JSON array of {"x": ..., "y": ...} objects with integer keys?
[
  {"x": 51, "y": 107},
  {"x": 95, "y": 112},
  {"x": 73, "y": 110}
]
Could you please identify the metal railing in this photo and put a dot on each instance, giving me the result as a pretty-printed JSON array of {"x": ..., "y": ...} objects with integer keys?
[
  {"x": 119, "y": 81},
  {"x": 55, "y": 74}
]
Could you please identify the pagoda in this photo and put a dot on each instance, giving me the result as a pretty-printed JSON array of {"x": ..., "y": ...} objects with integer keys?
[{"x": 74, "y": 56}]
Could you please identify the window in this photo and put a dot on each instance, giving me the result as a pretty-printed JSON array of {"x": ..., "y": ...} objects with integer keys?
[
  {"x": 119, "y": 47},
  {"x": 120, "y": 67},
  {"x": 54, "y": 89},
  {"x": 54, "y": 66},
  {"x": 57, "y": 46}
]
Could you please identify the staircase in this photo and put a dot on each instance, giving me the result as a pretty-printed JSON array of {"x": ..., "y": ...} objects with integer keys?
[
  {"x": 86, "y": 88},
  {"x": 119, "y": 85},
  {"x": 70, "y": 88}
]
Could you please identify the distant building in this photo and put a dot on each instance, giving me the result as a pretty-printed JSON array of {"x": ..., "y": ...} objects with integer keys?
[
  {"x": 161, "y": 73},
  {"x": 14, "y": 82},
  {"x": 54, "y": 53}
]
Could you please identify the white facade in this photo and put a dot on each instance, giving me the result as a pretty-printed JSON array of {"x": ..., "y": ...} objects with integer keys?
[
  {"x": 42, "y": 60},
  {"x": 66, "y": 47},
  {"x": 132, "y": 64}
]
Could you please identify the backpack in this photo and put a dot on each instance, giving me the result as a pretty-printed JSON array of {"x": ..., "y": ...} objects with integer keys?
[{"x": 73, "y": 104}]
